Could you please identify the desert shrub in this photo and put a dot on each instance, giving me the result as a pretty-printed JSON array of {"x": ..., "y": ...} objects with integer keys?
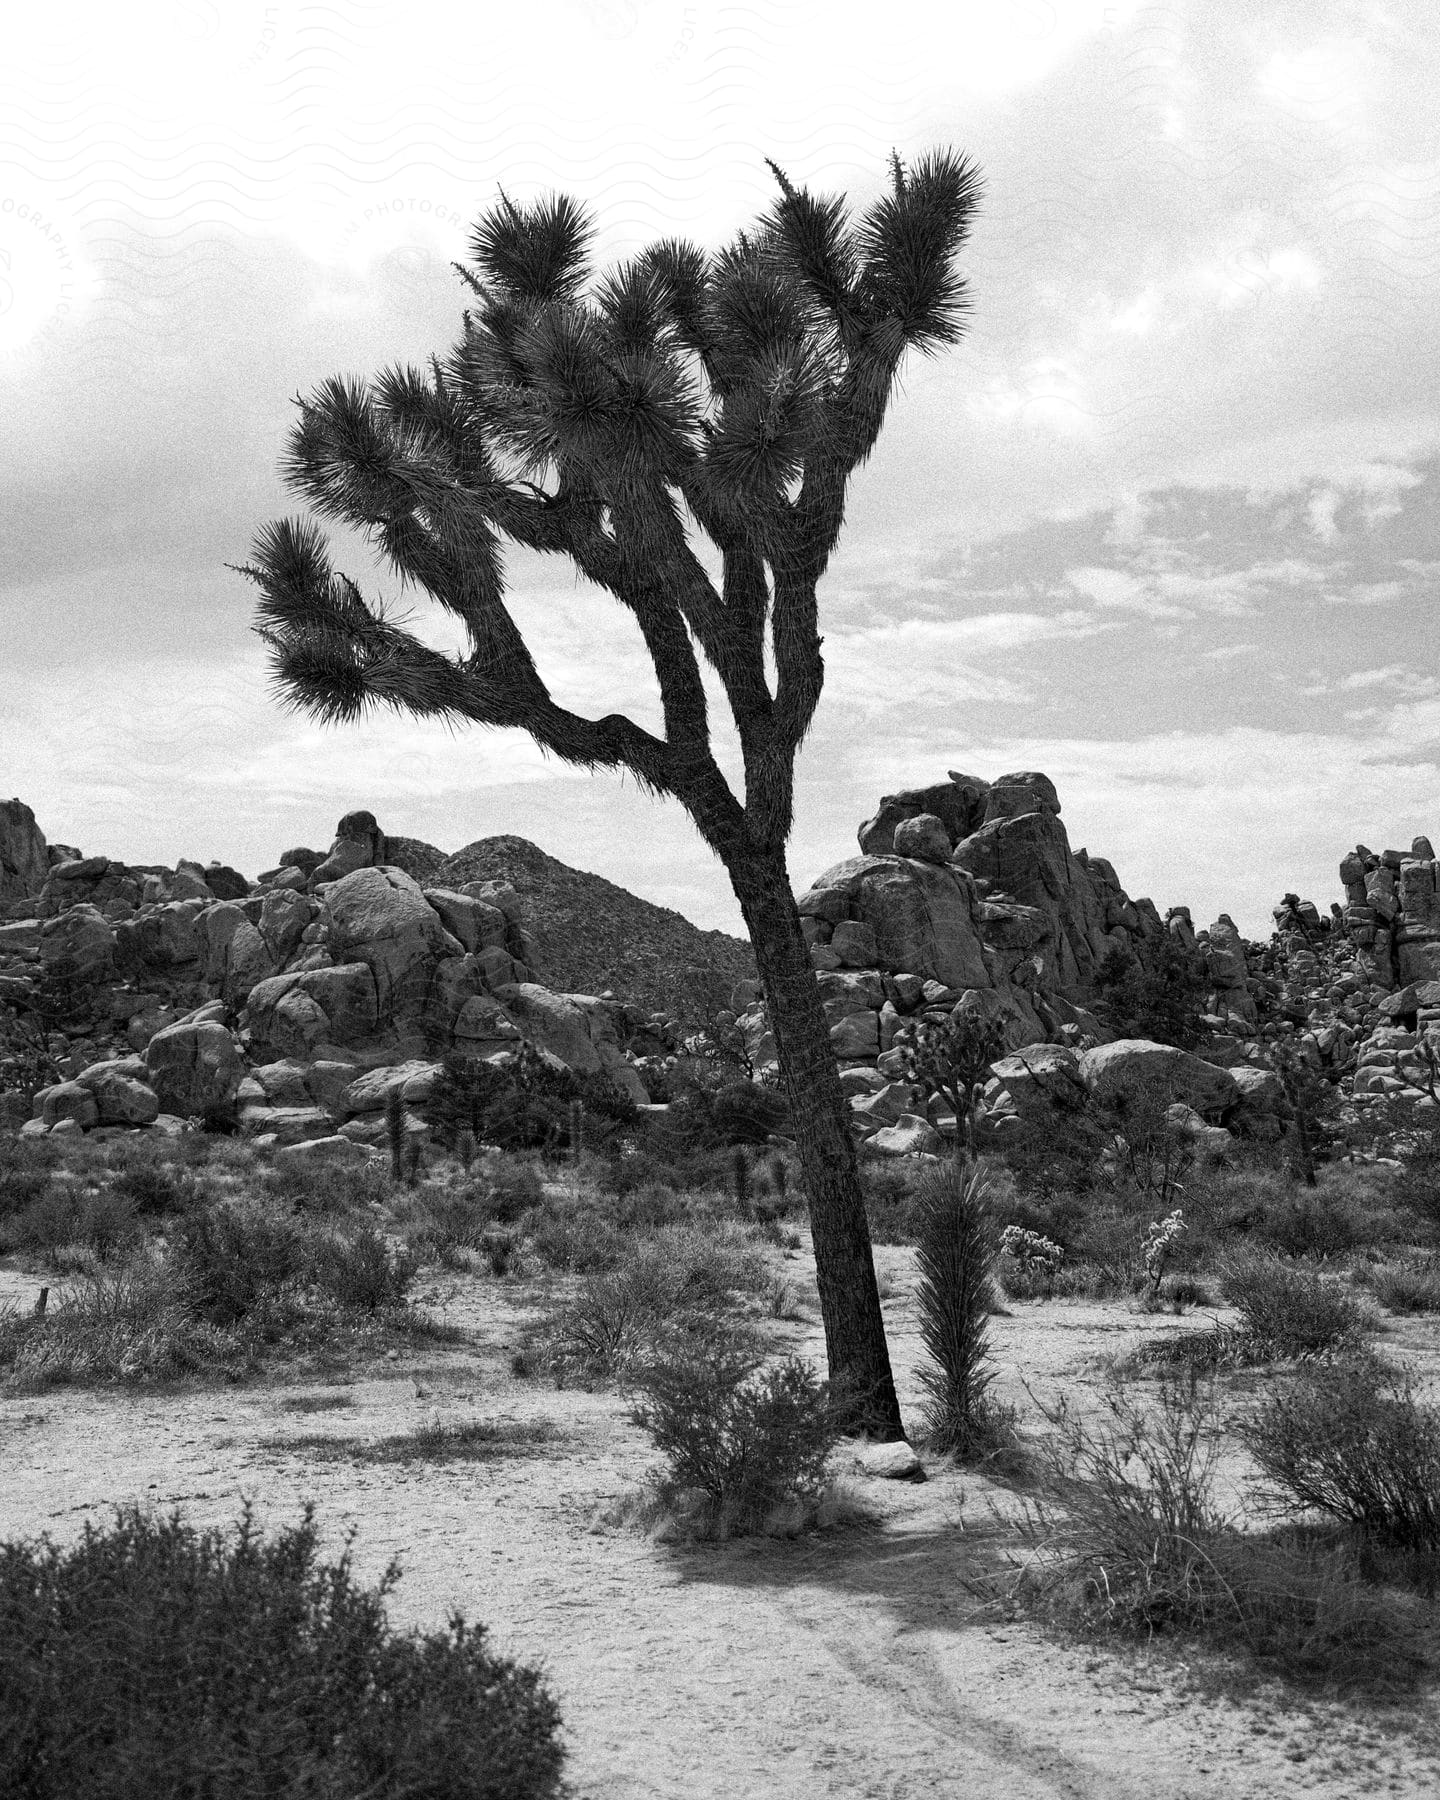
[
  {"x": 632, "y": 1166},
  {"x": 1180, "y": 1291},
  {"x": 234, "y": 1259},
  {"x": 688, "y": 1129},
  {"x": 1402, "y": 1288},
  {"x": 511, "y": 1187},
  {"x": 1112, "y": 1243},
  {"x": 1029, "y": 1263},
  {"x": 523, "y": 1105},
  {"x": 680, "y": 1282},
  {"x": 751, "y": 1444},
  {"x": 1058, "y": 1216},
  {"x": 327, "y": 1189},
  {"x": 99, "y": 1219},
  {"x": 649, "y": 1207},
  {"x": 1128, "y": 1538},
  {"x": 572, "y": 1235},
  {"x": 153, "y": 1659},
  {"x": 746, "y": 1113},
  {"x": 889, "y": 1190},
  {"x": 1290, "y": 1312},
  {"x": 1351, "y": 1441},
  {"x": 455, "y": 1218},
  {"x": 154, "y": 1188},
  {"x": 1310, "y": 1224},
  {"x": 361, "y": 1271},
  {"x": 1417, "y": 1182},
  {"x": 21, "y": 1185},
  {"x": 954, "y": 1298}
]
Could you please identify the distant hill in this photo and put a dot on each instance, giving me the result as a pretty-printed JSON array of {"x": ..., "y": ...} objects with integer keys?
[{"x": 590, "y": 935}]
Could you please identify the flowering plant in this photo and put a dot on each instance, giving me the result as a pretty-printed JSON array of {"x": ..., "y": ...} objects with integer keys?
[
  {"x": 1030, "y": 1249},
  {"x": 1159, "y": 1242}
]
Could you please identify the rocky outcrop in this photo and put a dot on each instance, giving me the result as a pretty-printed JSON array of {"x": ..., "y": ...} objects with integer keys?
[
  {"x": 583, "y": 934},
  {"x": 24, "y": 861},
  {"x": 1391, "y": 912},
  {"x": 968, "y": 894}
]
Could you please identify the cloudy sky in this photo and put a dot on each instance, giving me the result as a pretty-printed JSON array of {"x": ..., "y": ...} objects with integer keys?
[{"x": 1163, "y": 526}]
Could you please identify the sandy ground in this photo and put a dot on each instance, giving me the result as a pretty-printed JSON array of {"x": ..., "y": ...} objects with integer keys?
[{"x": 856, "y": 1663}]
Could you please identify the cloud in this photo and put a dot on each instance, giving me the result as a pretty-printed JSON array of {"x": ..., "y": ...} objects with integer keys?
[{"x": 1119, "y": 589}]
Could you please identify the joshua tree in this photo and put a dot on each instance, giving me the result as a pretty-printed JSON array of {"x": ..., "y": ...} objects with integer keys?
[{"x": 613, "y": 420}]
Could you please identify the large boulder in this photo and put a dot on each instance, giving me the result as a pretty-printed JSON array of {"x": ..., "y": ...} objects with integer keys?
[
  {"x": 194, "y": 1068},
  {"x": 83, "y": 938},
  {"x": 910, "y": 1135},
  {"x": 1134, "y": 1071},
  {"x": 474, "y": 922},
  {"x": 24, "y": 862},
  {"x": 286, "y": 1124},
  {"x": 368, "y": 1093},
  {"x": 346, "y": 994},
  {"x": 380, "y": 917},
  {"x": 67, "y": 1100},
  {"x": 1039, "y": 1082},
  {"x": 284, "y": 915},
  {"x": 359, "y": 844},
  {"x": 554, "y": 1022},
  {"x": 1012, "y": 796},
  {"x": 125, "y": 1100},
  {"x": 959, "y": 804},
  {"x": 855, "y": 1036},
  {"x": 920, "y": 915},
  {"x": 282, "y": 1020},
  {"x": 1027, "y": 857},
  {"x": 923, "y": 837}
]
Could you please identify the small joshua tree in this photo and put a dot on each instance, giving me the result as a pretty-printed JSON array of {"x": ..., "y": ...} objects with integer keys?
[{"x": 952, "y": 1061}]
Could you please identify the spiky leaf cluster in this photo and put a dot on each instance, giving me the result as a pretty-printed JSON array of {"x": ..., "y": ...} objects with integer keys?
[{"x": 604, "y": 417}]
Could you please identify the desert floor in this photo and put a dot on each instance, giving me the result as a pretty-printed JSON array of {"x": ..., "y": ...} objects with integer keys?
[{"x": 858, "y": 1662}]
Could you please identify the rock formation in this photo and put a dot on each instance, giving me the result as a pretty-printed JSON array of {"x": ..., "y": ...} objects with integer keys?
[
  {"x": 292, "y": 1005},
  {"x": 276, "y": 1005}
]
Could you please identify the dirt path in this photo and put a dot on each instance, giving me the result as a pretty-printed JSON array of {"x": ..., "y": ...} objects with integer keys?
[{"x": 851, "y": 1665}]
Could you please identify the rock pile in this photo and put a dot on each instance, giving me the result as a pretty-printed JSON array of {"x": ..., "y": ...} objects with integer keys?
[
  {"x": 290, "y": 1005},
  {"x": 294, "y": 1004}
]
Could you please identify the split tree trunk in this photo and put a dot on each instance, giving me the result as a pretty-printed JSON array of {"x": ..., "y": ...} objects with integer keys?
[{"x": 844, "y": 1265}]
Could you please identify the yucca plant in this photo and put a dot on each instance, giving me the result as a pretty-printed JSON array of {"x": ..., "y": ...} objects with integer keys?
[
  {"x": 954, "y": 1298},
  {"x": 613, "y": 419}
]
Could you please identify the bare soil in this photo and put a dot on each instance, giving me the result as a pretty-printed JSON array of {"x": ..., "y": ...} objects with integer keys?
[{"x": 857, "y": 1662}]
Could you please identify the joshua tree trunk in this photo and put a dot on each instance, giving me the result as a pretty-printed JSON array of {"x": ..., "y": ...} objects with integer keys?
[{"x": 844, "y": 1267}]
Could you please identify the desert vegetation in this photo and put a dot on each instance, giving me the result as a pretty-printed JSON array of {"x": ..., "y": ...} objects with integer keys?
[{"x": 665, "y": 1267}]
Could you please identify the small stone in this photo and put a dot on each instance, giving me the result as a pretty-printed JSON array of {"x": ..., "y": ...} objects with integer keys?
[{"x": 890, "y": 1462}]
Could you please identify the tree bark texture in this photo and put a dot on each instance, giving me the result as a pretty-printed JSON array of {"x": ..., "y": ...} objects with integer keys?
[{"x": 855, "y": 1344}]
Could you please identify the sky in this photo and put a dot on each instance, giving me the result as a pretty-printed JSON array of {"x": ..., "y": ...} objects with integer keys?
[{"x": 1164, "y": 524}]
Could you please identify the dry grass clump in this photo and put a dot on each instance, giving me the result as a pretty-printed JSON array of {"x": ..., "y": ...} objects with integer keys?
[
  {"x": 436, "y": 1441},
  {"x": 235, "y": 1286},
  {"x": 678, "y": 1281},
  {"x": 1128, "y": 1538},
  {"x": 1405, "y": 1288}
]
